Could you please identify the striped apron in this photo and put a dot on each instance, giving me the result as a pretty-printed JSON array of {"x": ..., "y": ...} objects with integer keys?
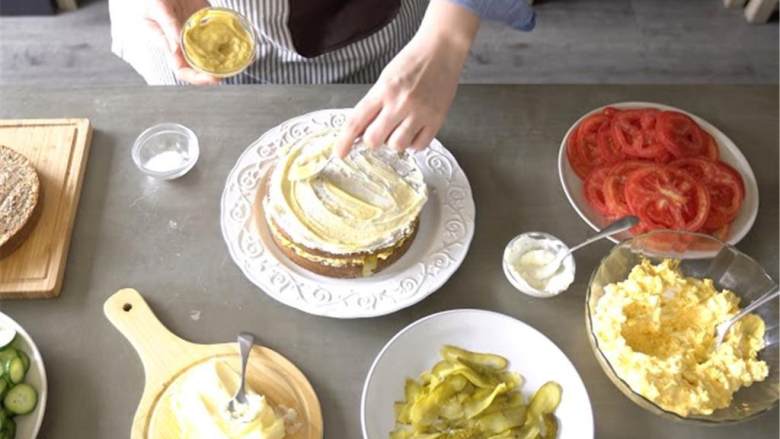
[{"x": 277, "y": 61}]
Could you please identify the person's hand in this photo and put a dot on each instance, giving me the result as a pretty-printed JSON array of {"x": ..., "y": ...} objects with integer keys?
[
  {"x": 164, "y": 19},
  {"x": 409, "y": 102}
]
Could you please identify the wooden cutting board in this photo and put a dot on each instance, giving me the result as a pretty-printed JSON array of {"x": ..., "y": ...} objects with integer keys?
[
  {"x": 166, "y": 358},
  {"x": 58, "y": 149}
]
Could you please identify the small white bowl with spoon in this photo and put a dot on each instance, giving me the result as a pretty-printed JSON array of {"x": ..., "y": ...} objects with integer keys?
[{"x": 541, "y": 265}]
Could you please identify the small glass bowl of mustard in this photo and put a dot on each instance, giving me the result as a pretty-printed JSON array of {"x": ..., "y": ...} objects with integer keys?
[{"x": 218, "y": 41}]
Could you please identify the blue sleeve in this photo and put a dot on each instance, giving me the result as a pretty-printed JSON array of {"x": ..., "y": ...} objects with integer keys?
[{"x": 515, "y": 13}]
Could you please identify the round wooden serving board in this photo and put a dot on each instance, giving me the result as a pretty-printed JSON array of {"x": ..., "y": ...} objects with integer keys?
[{"x": 166, "y": 358}]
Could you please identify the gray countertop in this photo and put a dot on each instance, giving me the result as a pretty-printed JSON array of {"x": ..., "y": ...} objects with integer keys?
[{"x": 163, "y": 238}]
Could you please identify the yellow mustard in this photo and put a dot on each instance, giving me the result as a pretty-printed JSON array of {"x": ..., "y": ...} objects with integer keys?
[{"x": 216, "y": 41}]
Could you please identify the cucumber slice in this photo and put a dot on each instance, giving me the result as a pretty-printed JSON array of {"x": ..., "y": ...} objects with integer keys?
[
  {"x": 10, "y": 428},
  {"x": 15, "y": 370},
  {"x": 25, "y": 359},
  {"x": 8, "y": 385},
  {"x": 7, "y": 335},
  {"x": 21, "y": 399},
  {"x": 7, "y": 354}
]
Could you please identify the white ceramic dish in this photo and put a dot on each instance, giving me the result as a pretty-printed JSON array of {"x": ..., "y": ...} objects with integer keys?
[
  {"x": 729, "y": 153},
  {"x": 517, "y": 280},
  {"x": 444, "y": 235},
  {"x": 416, "y": 349},
  {"x": 27, "y": 426}
]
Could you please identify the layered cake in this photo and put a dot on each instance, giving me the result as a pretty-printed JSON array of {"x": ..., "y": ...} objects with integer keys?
[
  {"x": 343, "y": 218},
  {"x": 19, "y": 195}
]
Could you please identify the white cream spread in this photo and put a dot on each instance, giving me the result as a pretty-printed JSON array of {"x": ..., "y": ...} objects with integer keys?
[
  {"x": 199, "y": 400},
  {"x": 365, "y": 202},
  {"x": 524, "y": 258}
]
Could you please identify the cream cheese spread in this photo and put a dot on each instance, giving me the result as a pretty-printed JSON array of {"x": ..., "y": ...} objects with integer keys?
[
  {"x": 197, "y": 404},
  {"x": 524, "y": 259},
  {"x": 364, "y": 202}
]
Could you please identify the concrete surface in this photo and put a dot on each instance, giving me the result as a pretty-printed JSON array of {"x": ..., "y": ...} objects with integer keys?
[{"x": 505, "y": 137}]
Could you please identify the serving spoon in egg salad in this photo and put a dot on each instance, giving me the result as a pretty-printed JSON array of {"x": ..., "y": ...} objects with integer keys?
[{"x": 723, "y": 328}]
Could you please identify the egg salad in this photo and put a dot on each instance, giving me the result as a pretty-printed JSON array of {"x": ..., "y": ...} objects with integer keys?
[{"x": 657, "y": 330}]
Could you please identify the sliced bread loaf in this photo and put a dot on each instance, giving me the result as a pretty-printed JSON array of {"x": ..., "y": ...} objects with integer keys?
[{"x": 20, "y": 192}]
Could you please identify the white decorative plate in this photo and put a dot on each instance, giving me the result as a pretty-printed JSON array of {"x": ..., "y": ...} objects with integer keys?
[
  {"x": 415, "y": 349},
  {"x": 27, "y": 426},
  {"x": 729, "y": 153},
  {"x": 443, "y": 238}
]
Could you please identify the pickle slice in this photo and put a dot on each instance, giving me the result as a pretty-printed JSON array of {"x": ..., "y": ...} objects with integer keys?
[
  {"x": 490, "y": 361},
  {"x": 546, "y": 399},
  {"x": 550, "y": 426},
  {"x": 471, "y": 395}
]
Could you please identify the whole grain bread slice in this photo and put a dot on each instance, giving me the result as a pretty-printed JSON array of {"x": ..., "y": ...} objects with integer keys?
[{"x": 20, "y": 193}]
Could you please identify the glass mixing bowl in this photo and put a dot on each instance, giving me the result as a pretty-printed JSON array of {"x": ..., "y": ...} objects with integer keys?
[{"x": 705, "y": 257}]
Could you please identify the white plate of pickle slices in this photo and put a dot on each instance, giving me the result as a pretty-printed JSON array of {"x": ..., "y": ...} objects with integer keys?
[{"x": 528, "y": 353}]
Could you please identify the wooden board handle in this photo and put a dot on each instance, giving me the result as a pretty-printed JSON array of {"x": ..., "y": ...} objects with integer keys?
[{"x": 159, "y": 349}]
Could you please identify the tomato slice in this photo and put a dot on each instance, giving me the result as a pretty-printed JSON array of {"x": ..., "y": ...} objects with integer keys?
[
  {"x": 698, "y": 168},
  {"x": 711, "y": 152},
  {"x": 727, "y": 192},
  {"x": 721, "y": 233},
  {"x": 582, "y": 145},
  {"x": 665, "y": 197},
  {"x": 571, "y": 154},
  {"x": 680, "y": 134},
  {"x": 609, "y": 150},
  {"x": 649, "y": 121},
  {"x": 614, "y": 186},
  {"x": 634, "y": 132},
  {"x": 666, "y": 241},
  {"x": 724, "y": 184},
  {"x": 594, "y": 190},
  {"x": 610, "y": 111}
]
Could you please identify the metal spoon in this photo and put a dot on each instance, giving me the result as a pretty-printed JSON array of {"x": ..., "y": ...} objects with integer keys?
[
  {"x": 245, "y": 342},
  {"x": 723, "y": 327},
  {"x": 618, "y": 226}
]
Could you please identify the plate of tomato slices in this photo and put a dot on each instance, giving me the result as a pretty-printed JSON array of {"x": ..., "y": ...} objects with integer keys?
[{"x": 669, "y": 167}]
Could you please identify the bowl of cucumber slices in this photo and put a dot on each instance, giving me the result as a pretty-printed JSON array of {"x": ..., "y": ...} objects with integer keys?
[{"x": 22, "y": 382}]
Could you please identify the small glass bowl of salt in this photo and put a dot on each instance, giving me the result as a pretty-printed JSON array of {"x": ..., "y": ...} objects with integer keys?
[{"x": 166, "y": 151}]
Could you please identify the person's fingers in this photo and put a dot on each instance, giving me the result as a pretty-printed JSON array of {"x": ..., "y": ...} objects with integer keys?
[
  {"x": 422, "y": 139},
  {"x": 185, "y": 73},
  {"x": 175, "y": 58},
  {"x": 362, "y": 115},
  {"x": 401, "y": 137},
  {"x": 167, "y": 19},
  {"x": 380, "y": 128},
  {"x": 192, "y": 76},
  {"x": 156, "y": 35}
]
